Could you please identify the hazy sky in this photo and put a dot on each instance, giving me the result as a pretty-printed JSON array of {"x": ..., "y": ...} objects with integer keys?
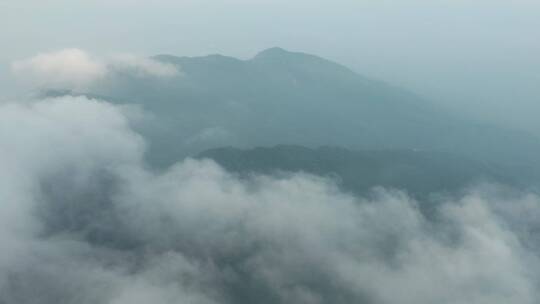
[{"x": 481, "y": 56}]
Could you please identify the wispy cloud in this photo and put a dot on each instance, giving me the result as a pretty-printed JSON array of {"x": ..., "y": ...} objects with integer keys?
[
  {"x": 66, "y": 68},
  {"x": 77, "y": 69},
  {"x": 143, "y": 66}
]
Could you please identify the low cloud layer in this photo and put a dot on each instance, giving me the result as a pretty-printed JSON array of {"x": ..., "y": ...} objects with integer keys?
[
  {"x": 76, "y": 69},
  {"x": 83, "y": 221}
]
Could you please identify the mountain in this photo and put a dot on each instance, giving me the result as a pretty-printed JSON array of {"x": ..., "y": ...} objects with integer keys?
[
  {"x": 282, "y": 97},
  {"x": 420, "y": 173}
]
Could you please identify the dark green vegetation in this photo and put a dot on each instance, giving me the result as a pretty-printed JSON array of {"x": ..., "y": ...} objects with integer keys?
[{"x": 420, "y": 173}]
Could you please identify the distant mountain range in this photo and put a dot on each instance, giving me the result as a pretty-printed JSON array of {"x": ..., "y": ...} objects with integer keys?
[
  {"x": 282, "y": 97},
  {"x": 419, "y": 173}
]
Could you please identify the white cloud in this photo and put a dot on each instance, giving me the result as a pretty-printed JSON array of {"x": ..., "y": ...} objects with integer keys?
[
  {"x": 76, "y": 69},
  {"x": 83, "y": 221},
  {"x": 72, "y": 68}
]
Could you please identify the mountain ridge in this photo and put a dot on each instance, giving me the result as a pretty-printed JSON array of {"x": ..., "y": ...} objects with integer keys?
[
  {"x": 420, "y": 173},
  {"x": 282, "y": 97}
]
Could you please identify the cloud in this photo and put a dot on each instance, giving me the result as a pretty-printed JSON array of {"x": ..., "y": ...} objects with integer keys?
[
  {"x": 144, "y": 66},
  {"x": 84, "y": 221},
  {"x": 76, "y": 69},
  {"x": 71, "y": 68}
]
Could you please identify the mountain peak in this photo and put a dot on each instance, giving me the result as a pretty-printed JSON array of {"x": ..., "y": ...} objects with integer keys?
[{"x": 275, "y": 52}]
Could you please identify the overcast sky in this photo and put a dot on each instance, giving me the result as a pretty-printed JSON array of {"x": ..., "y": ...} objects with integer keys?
[{"x": 475, "y": 55}]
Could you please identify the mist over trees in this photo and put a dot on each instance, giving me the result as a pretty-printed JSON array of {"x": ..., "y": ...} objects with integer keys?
[
  {"x": 85, "y": 221},
  {"x": 283, "y": 178}
]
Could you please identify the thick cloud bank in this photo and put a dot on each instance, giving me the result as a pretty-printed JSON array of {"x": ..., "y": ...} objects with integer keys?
[{"x": 83, "y": 221}]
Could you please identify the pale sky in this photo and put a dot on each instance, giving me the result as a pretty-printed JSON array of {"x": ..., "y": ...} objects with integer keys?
[{"x": 478, "y": 56}]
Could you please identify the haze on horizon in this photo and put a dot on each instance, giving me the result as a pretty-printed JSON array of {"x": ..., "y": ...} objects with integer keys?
[{"x": 475, "y": 57}]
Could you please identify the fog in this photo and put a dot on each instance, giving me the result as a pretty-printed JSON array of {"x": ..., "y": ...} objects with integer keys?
[
  {"x": 107, "y": 194},
  {"x": 84, "y": 221}
]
